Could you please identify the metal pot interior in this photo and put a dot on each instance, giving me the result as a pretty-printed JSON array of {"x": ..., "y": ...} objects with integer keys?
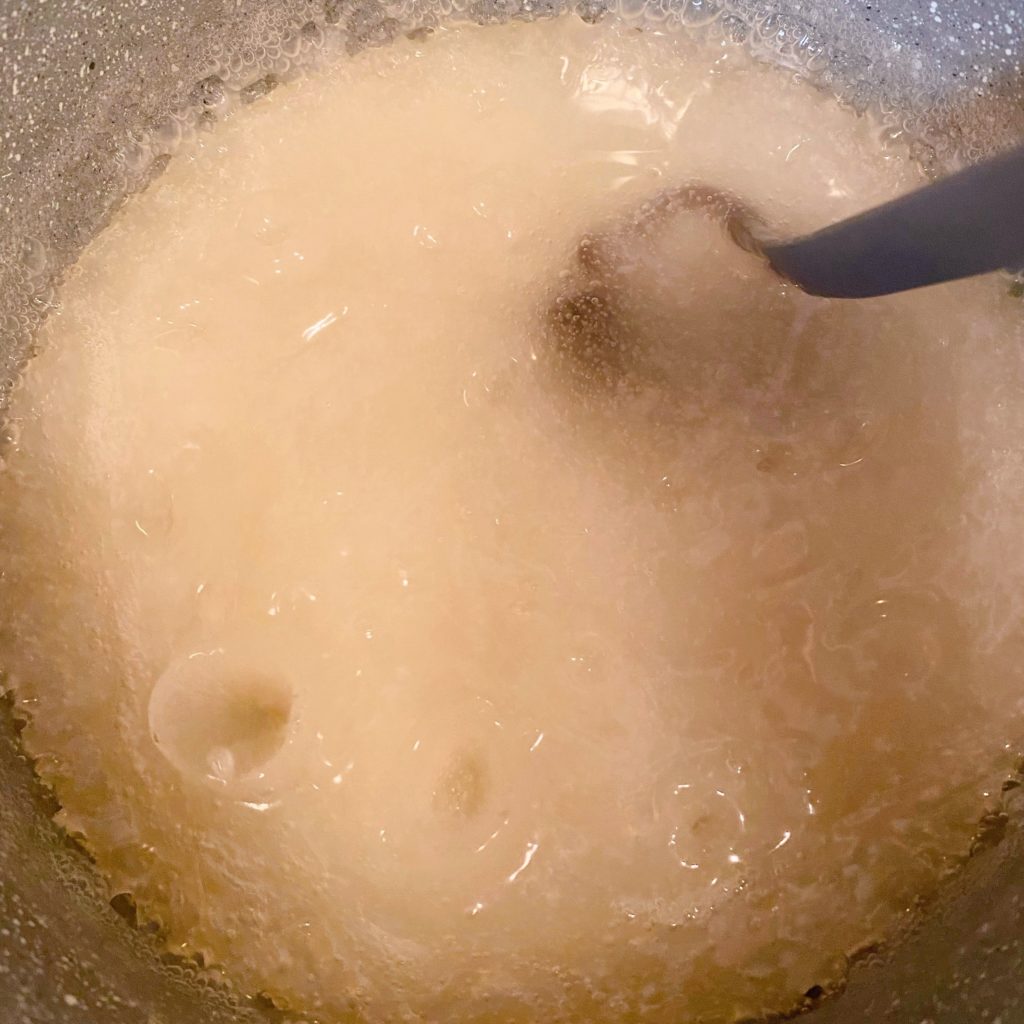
[{"x": 92, "y": 103}]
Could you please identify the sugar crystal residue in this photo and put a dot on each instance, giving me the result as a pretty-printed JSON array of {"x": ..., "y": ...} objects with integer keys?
[{"x": 444, "y": 590}]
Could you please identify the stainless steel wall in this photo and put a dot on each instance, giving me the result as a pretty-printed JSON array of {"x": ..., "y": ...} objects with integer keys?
[{"x": 86, "y": 90}]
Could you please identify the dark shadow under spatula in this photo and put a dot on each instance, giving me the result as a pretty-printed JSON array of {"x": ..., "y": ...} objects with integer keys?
[{"x": 969, "y": 223}]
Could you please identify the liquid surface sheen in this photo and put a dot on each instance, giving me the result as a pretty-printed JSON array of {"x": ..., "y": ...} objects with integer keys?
[{"x": 448, "y": 579}]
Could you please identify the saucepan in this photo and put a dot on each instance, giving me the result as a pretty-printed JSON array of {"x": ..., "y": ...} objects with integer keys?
[{"x": 92, "y": 99}]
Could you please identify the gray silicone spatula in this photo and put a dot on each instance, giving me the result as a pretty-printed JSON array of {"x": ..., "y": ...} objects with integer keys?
[{"x": 969, "y": 223}]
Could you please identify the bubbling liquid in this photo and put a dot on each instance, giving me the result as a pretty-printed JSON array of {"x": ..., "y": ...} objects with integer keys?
[{"x": 442, "y": 588}]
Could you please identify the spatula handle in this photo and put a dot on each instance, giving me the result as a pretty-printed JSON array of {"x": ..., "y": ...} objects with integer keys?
[{"x": 969, "y": 223}]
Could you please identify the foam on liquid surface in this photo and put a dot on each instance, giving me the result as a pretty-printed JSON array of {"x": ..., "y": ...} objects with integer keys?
[{"x": 420, "y": 616}]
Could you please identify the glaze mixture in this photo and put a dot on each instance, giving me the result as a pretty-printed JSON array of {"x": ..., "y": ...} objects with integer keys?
[{"x": 442, "y": 587}]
